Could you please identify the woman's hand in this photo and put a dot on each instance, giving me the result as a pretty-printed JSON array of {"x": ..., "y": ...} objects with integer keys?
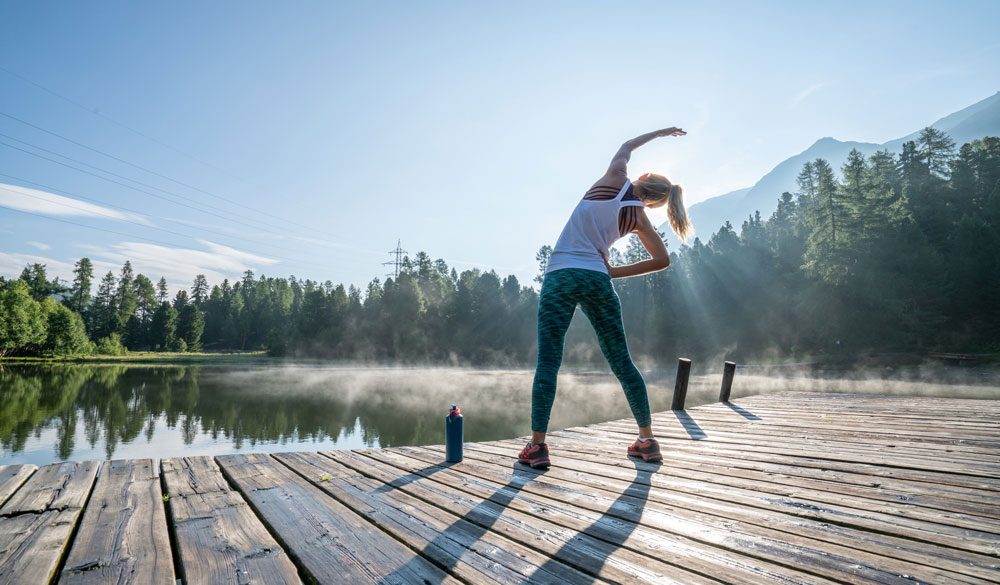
[{"x": 670, "y": 132}]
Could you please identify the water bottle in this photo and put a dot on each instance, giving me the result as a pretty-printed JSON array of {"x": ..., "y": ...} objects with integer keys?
[{"x": 453, "y": 434}]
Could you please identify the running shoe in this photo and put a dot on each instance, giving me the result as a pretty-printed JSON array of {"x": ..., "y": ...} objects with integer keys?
[
  {"x": 648, "y": 450},
  {"x": 537, "y": 456}
]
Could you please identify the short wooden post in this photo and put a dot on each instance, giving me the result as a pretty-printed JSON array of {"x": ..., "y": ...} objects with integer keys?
[
  {"x": 681, "y": 386},
  {"x": 728, "y": 371}
]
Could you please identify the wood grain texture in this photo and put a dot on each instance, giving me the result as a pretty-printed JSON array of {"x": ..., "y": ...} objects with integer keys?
[
  {"x": 467, "y": 550},
  {"x": 37, "y": 521},
  {"x": 219, "y": 539},
  {"x": 793, "y": 488},
  {"x": 11, "y": 478},
  {"x": 607, "y": 545},
  {"x": 334, "y": 544},
  {"x": 716, "y": 521},
  {"x": 123, "y": 534}
]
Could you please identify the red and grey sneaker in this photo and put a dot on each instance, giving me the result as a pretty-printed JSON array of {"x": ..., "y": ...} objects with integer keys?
[
  {"x": 537, "y": 456},
  {"x": 648, "y": 450}
]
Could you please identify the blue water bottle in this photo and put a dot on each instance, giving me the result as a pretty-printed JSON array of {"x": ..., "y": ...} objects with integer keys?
[{"x": 453, "y": 434}]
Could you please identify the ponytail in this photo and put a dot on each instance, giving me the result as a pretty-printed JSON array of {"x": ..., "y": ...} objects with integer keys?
[
  {"x": 657, "y": 191},
  {"x": 677, "y": 214}
]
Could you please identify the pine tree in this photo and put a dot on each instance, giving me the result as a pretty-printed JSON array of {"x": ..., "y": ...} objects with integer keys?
[
  {"x": 79, "y": 298},
  {"x": 825, "y": 251},
  {"x": 190, "y": 325},
  {"x": 126, "y": 295},
  {"x": 162, "y": 292},
  {"x": 543, "y": 255},
  {"x": 936, "y": 150},
  {"x": 38, "y": 284},
  {"x": 199, "y": 290},
  {"x": 105, "y": 313}
]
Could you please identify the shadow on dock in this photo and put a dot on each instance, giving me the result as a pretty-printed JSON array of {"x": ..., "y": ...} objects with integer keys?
[
  {"x": 692, "y": 428},
  {"x": 412, "y": 477},
  {"x": 742, "y": 411},
  {"x": 475, "y": 523},
  {"x": 614, "y": 527}
]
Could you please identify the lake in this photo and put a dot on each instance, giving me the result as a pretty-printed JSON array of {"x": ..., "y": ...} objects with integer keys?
[{"x": 92, "y": 412}]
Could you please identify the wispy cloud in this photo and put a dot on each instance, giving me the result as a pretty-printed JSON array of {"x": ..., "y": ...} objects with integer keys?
[
  {"x": 11, "y": 265},
  {"x": 802, "y": 95},
  {"x": 178, "y": 265},
  {"x": 45, "y": 203},
  {"x": 39, "y": 245}
]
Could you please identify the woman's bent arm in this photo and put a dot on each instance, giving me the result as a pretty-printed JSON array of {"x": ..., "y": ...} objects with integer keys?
[{"x": 654, "y": 245}]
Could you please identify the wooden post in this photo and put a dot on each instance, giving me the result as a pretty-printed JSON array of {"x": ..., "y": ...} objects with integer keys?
[
  {"x": 681, "y": 386},
  {"x": 728, "y": 371}
]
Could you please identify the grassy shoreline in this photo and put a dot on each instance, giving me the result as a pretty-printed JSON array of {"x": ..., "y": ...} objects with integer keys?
[{"x": 146, "y": 357}]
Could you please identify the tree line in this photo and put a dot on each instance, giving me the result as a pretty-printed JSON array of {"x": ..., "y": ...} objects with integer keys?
[{"x": 900, "y": 252}]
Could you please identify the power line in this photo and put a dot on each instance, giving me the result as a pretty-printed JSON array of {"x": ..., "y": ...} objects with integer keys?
[
  {"x": 140, "y": 190},
  {"x": 291, "y": 260},
  {"x": 152, "y": 172},
  {"x": 114, "y": 174},
  {"x": 99, "y": 202},
  {"x": 119, "y": 124},
  {"x": 398, "y": 252},
  {"x": 103, "y": 229}
]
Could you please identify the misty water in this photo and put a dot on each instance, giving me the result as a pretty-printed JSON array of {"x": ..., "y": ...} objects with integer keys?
[{"x": 93, "y": 412}]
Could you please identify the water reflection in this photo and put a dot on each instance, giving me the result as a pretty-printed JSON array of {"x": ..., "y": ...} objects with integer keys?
[
  {"x": 120, "y": 411},
  {"x": 59, "y": 412}
]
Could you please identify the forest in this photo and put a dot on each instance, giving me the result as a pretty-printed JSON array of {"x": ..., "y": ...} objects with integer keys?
[{"x": 896, "y": 252}]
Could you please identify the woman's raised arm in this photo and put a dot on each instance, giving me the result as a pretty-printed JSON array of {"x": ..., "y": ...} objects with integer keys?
[{"x": 619, "y": 163}]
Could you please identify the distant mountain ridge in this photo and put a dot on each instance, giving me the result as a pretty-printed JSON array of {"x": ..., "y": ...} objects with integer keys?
[{"x": 976, "y": 121}]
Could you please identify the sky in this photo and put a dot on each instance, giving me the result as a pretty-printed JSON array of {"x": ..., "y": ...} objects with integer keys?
[{"x": 307, "y": 138}]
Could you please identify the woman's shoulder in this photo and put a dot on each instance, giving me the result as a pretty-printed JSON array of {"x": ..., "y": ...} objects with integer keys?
[{"x": 607, "y": 187}]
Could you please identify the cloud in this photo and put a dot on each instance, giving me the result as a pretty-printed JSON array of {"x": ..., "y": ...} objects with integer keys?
[
  {"x": 11, "y": 265},
  {"x": 178, "y": 265},
  {"x": 802, "y": 95},
  {"x": 45, "y": 203},
  {"x": 38, "y": 245}
]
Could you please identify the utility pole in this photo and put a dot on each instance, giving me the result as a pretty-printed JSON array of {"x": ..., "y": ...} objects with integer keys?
[{"x": 395, "y": 263}]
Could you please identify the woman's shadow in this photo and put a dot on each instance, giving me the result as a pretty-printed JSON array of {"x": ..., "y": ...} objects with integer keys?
[
  {"x": 600, "y": 540},
  {"x": 610, "y": 531}
]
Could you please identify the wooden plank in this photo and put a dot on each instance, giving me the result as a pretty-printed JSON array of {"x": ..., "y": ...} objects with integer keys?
[
  {"x": 585, "y": 443},
  {"x": 928, "y": 469},
  {"x": 578, "y": 483},
  {"x": 11, "y": 478},
  {"x": 976, "y": 413},
  {"x": 781, "y": 445},
  {"x": 38, "y": 520},
  {"x": 875, "y": 425},
  {"x": 836, "y": 425},
  {"x": 470, "y": 551},
  {"x": 802, "y": 504},
  {"x": 334, "y": 544},
  {"x": 974, "y": 457},
  {"x": 611, "y": 542},
  {"x": 123, "y": 535},
  {"x": 790, "y": 476},
  {"x": 219, "y": 539}
]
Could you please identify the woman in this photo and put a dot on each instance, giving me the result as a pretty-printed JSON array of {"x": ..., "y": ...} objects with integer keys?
[{"x": 578, "y": 273}]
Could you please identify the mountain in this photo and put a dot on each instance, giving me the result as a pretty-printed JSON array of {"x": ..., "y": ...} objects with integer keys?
[{"x": 976, "y": 121}]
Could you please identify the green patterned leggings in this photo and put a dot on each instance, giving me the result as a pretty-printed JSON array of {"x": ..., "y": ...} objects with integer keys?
[{"x": 562, "y": 291}]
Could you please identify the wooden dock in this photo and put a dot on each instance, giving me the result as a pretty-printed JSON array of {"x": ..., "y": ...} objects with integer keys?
[{"x": 781, "y": 488}]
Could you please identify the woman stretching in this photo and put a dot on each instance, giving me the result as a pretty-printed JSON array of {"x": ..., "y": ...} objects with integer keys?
[{"x": 578, "y": 273}]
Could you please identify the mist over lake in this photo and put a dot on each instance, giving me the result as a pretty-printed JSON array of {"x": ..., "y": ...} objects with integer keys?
[{"x": 60, "y": 412}]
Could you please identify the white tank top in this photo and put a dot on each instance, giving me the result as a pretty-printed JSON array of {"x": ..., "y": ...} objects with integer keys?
[{"x": 592, "y": 229}]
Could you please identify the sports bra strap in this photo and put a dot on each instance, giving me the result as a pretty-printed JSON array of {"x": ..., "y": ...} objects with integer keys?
[{"x": 623, "y": 190}]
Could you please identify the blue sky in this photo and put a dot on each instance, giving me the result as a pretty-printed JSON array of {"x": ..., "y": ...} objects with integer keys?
[{"x": 305, "y": 138}]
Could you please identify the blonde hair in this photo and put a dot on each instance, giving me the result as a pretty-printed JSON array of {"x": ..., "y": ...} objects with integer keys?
[{"x": 656, "y": 191}]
